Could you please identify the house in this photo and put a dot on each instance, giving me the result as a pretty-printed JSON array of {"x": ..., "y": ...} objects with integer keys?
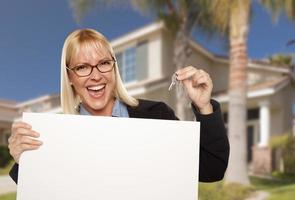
[{"x": 145, "y": 58}]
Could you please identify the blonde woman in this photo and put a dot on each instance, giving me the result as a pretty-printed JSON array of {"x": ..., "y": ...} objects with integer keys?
[{"x": 91, "y": 85}]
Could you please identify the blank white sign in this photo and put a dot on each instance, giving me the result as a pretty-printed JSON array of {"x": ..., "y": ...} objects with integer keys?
[{"x": 109, "y": 158}]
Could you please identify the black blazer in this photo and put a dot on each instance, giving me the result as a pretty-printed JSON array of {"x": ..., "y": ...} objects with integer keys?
[{"x": 214, "y": 146}]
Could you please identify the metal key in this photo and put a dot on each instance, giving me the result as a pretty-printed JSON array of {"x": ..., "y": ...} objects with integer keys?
[{"x": 173, "y": 81}]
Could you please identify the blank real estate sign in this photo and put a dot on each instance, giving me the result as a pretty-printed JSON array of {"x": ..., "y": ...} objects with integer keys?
[{"x": 110, "y": 158}]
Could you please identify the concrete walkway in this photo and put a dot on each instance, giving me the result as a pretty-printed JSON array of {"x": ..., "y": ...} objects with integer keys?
[
  {"x": 7, "y": 185},
  {"x": 258, "y": 195}
]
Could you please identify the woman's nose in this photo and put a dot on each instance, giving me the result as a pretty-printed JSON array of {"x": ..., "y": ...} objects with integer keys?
[{"x": 96, "y": 74}]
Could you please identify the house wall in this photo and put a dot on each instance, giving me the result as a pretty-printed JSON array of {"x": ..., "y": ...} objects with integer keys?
[
  {"x": 287, "y": 99},
  {"x": 167, "y": 54},
  {"x": 276, "y": 121},
  {"x": 159, "y": 94},
  {"x": 4, "y": 135},
  {"x": 200, "y": 61},
  {"x": 163, "y": 95},
  {"x": 155, "y": 56},
  {"x": 281, "y": 112},
  {"x": 219, "y": 75},
  {"x": 258, "y": 75},
  {"x": 7, "y": 114}
]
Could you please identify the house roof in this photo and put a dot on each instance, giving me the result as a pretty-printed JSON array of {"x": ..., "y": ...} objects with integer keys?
[
  {"x": 159, "y": 25},
  {"x": 36, "y": 100},
  {"x": 265, "y": 88},
  {"x": 7, "y": 103},
  {"x": 133, "y": 35}
]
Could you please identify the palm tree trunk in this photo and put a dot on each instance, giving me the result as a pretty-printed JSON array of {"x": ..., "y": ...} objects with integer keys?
[
  {"x": 180, "y": 60},
  {"x": 237, "y": 169}
]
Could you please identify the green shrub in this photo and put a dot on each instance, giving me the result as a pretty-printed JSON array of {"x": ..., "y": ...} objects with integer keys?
[
  {"x": 289, "y": 155},
  {"x": 286, "y": 144},
  {"x": 4, "y": 156},
  {"x": 220, "y": 191}
]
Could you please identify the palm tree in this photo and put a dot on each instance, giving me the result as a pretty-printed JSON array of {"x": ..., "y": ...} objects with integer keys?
[
  {"x": 180, "y": 18},
  {"x": 234, "y": 17},
  {"x": 277, "y": 6},
  {"x": 281, "y": 60}
]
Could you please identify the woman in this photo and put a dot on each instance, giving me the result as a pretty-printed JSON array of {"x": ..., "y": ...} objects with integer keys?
[{"x": 91, "y": 85}]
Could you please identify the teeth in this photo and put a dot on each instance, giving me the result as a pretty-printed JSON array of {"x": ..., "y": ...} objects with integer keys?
[{"x": 97, "y": 87}]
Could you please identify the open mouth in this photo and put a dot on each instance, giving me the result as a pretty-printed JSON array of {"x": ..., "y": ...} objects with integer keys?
[{"x": 97, "y": 90}]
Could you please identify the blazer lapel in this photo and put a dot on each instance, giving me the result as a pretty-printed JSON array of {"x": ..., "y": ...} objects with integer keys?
[{"x": 137, "y": 112}]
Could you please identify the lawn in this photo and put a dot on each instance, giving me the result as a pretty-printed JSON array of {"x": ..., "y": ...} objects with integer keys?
[
  {"x": 11, "y": 196},
  {"x": 282, "y": 188}
]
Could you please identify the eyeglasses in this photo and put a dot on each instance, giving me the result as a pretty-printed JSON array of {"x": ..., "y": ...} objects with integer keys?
[{"x": 103, "y": 66}]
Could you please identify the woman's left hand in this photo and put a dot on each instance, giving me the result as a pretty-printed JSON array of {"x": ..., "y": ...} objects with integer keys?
[{"x": 198, "y": 85}]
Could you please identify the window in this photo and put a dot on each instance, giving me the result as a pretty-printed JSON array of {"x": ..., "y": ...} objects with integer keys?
[
  {"x": 133, "y": 62},
  {"x": 126, "y": 62}
]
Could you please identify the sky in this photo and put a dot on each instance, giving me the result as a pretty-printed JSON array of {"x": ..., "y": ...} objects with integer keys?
[{"x": 32, "y": 33}]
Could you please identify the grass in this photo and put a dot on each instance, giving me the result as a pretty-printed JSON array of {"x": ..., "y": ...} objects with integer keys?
[
  {"x": 10, "y": 196},
  {"x": 220, "y": 191},
  {"x": 280, "y": 188}
]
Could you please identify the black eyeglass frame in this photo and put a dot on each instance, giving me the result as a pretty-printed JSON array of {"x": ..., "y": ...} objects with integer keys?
[{"x": 96, "y": 66}]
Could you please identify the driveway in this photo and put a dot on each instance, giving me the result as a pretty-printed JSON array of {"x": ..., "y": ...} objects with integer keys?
[{"x": 7, "y": 185}]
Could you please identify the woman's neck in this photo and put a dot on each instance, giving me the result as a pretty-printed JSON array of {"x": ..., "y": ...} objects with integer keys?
[{"x": 106, "y": 111}]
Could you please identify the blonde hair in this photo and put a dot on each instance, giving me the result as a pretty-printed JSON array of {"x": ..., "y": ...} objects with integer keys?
[{"x": 78, "y": 38}]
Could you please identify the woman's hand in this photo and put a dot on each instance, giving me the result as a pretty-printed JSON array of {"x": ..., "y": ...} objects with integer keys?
[
  {"x": 198, "y": 85},
  {"x": 22, "y": 139}
]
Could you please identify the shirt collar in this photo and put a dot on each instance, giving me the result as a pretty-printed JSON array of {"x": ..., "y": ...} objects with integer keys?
[{"x": 119, "y": 110}]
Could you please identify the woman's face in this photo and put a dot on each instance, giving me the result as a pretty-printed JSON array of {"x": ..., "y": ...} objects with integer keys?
[{"x": 96, "y": 90}]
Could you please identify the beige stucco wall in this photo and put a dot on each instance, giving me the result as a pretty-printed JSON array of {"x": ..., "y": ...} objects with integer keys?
[
  {"x": 200, "y": 61},
  {"x": 281, "y": 110},
  {"x": 219, "y": 75},
  {"x": 162, "y": 94},
  {"x": 167, "y": 54},
  {"x": 287, "y": 100},
  {"x": 155, "y": 56},
  {"x": 159, "y": 94},
  {"x": 260, "y": 75},
  {"x": 276, "y": 121}
]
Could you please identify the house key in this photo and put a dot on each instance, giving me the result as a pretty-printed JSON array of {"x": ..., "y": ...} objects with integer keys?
[{"x": 173, "y": 81}]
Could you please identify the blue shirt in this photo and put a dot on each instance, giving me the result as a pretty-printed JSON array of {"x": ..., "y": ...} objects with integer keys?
[{"x": 119, "y": 110}]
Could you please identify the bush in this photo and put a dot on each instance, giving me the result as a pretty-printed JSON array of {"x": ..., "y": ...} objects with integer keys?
[
  {"x": 289, "y": 155},
  {"x": 286, "y": 145},
  {"x": 5, "y": 157},
  {"x": 220, "y": 191}
]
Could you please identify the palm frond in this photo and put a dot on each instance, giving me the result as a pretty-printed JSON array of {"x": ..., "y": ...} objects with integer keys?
[
  {"x": 276, "y": 7},
  {"x": 81, "y": 7},
  {"x": 291, "y": 42}
]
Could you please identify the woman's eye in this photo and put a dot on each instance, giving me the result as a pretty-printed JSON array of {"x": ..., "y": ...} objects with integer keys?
[
  {"x": 106, "y": 62},
  {"x": 81, "y": 67}
]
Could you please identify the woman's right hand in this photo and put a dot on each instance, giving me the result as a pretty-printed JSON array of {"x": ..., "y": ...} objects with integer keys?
[{"x": 22, "y": 139}]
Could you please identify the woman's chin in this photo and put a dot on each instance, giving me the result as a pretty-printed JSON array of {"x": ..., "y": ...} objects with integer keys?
[{"x": 96, "y": 94}]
